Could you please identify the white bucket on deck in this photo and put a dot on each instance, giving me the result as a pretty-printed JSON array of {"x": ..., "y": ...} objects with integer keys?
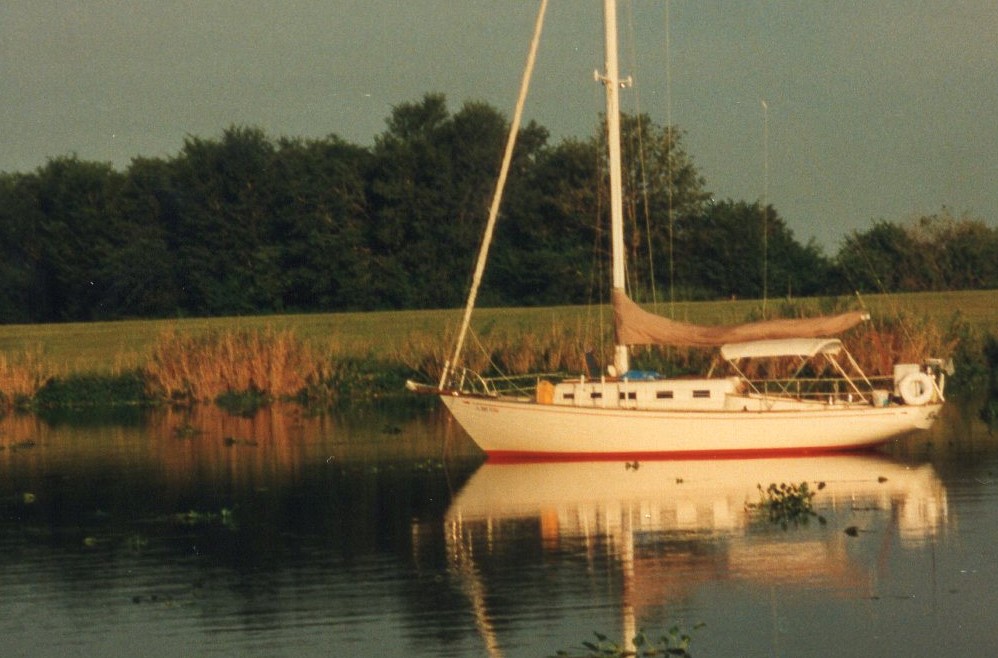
[{"x": 881, "y": 398}]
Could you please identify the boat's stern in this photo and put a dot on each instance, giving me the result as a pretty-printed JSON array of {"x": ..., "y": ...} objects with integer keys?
[{"x": 922, "y": 384}]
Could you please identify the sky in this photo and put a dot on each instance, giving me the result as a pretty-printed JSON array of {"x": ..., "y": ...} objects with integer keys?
[{"x": 839, "y": 114}]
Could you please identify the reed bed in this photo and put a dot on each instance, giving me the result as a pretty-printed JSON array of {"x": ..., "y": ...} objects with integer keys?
[
  {"x": 878, "y": 345},
  {"x": 96, "y": 347},
  {"x": 500, "y": 351},
  {"x": 345, "y": 355},
  {"x": 203, "y": 367},
  {"x": 22, "y": 376}
]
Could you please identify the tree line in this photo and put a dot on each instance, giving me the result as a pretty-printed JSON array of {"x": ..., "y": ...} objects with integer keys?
[{"x": 249, "y": 224}]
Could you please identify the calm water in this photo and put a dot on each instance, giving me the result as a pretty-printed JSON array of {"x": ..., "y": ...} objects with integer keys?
[{"x": 379, "y": 532}]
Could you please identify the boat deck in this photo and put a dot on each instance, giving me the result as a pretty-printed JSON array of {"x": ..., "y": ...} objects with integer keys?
[{"x": 701, "y": 394}]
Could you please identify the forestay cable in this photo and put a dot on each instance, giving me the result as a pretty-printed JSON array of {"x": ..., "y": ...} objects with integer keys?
[{"x": 483, "y": 253}]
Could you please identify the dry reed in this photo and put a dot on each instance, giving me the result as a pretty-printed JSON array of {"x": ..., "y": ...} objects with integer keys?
[
  {"x": 876, "y": 346},
  {"x": 423, "y": 353},
  {"x": 205, "y": 366},
  {"x": 201, "y": 365},
  {"x": 506, "y": 351},
  {"x": 22, "y": 376},
  {"x": 879, "y": 344}
]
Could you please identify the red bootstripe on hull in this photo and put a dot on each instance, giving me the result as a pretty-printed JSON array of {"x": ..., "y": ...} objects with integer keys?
[{"x": 514, "y": 456}]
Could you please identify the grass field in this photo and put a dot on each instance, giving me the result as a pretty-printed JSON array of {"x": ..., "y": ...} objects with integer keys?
[{"x": 112, "y": 347}]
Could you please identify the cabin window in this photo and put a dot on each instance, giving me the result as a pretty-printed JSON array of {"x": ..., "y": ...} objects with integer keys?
[
  {"x": 596, "y": 395},
  {"x": 628, "y": 395},
  {"x": 701, "y": 393},
  {"x": 568, "y": 396},
  {"x": 664, "y": 395}
]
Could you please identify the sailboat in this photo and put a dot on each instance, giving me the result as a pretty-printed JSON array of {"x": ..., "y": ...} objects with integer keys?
[{"x": 624, "y": 413}]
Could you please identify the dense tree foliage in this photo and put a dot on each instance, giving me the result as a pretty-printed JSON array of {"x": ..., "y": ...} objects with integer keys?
[
  {"x": 248, "y": 224},
  {"x": 736, "y": 249},
  {"x": 938, "y": 252}
]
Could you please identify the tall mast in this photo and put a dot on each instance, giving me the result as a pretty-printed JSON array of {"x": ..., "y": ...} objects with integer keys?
[{"x": 612, "y": 82}]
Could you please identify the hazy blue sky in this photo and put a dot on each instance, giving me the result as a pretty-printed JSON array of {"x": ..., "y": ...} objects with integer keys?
[{"x": 876, "y": 108}]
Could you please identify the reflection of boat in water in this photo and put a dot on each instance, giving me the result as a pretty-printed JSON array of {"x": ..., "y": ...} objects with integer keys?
[
  {"x": 671, "y": 526},
  {"x": 704, "y": 496}
]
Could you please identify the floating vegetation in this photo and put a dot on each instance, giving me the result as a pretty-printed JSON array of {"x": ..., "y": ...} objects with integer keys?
[
  {"x": 787, "y": 504},
  {"x": 186, "y": 431},
  {"x": 231, "y": 441},
  {"x": 165, "y": 600},
  {"x": 182, "y": 597},
  {"x": 195, "y": 518},
  {"x": 428, "y": 466},
  {"x": 137, "y": 542},
  {"x": 674, "y": 643},
  {"x": 242, "y": 403}
]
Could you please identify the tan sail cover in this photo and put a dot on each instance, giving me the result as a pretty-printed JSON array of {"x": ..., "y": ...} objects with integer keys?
[{"x": 635, "y": 326}]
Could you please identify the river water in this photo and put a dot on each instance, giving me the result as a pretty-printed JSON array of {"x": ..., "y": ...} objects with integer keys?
[{"x": 380, "y": 532}]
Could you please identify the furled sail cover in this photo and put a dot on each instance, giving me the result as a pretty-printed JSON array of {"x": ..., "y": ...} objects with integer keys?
[{"x": 635, "y": 326}]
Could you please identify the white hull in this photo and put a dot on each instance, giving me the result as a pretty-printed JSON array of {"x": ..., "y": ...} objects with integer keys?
[{"x": 513, "y": 429}]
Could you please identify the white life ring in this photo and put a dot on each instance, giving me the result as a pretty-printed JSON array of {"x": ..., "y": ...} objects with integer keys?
[{"x": 916, "y": 389}]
